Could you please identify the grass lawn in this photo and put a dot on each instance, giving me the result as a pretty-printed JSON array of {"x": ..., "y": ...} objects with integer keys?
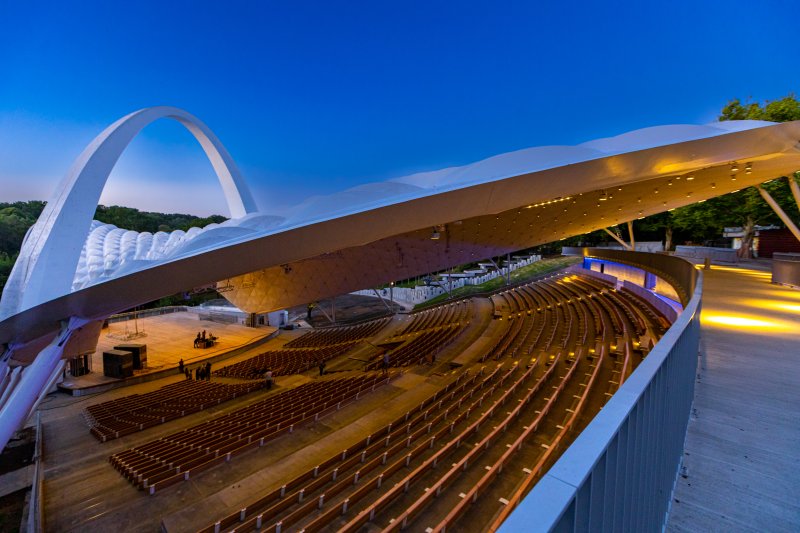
[{"x": 520, "y": 275}]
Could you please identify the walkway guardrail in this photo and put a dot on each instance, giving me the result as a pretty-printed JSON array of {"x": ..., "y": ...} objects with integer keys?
[{"x": 620, "y": 472}]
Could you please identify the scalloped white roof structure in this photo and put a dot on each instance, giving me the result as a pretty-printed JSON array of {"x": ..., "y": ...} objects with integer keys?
[
  {"x": 370, "y": 234},
  {"x": 72, "y": 271},
  {"x": 110, "y": 251}
]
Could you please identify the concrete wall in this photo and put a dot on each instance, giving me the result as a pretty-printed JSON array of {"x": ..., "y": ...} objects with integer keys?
[
  {"x": 663, "y": 307},
  {"x": 641, "y": 246},
  {"x": 423, "y": 293},
  {"x": 786, "y": 269},
  {"x": 622, "y": 273},
  {"x": 702, "y": 252}
]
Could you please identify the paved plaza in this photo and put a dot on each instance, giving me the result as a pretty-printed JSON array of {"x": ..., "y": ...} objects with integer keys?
[{"x": 741, "y": 456}]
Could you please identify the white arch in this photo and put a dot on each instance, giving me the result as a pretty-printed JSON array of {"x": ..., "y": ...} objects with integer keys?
[{"x": 52, "y": 247}]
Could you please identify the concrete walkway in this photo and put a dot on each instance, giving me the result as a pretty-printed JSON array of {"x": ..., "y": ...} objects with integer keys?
[{"x": 742, "y": 453}]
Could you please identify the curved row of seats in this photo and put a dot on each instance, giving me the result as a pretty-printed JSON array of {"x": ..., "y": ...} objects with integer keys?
[
  {"x": 427, "y": 480},
  {"x": 176, "y": 457},
  {"x": 567, "y": 342},
  {"x": 590, "y": 304},
  {"x": 441, "y": 315},
  {"x": 283, "y": 362},
  {"x": 396, "y": 459},
  {"x": 338, "y": 334},
  {"x": 418, "y": 348},
  {"x": 354, "y": 459},
  {"x": 391, "y": 452},
  {"x": 123, "y": 416},
  {"x": 575, "y": 333},
  {"x": 578, "y": 319},
  {"x": 549, "y": 452}
]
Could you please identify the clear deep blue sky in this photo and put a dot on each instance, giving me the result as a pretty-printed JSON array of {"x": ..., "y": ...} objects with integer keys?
[{"x": 314, "y": 97}]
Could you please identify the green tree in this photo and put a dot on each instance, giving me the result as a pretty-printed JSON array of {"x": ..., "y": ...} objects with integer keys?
[
  {"x": 705, "y": 221},
  {"x": 745, "y": 208},
  {"x": 786, "y": 109},
  {"x": 654, "y": 226}
]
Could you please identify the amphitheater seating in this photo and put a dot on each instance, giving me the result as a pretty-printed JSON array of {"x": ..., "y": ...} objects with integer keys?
[
  {"x": 558, "y": 441},
  {"x": 441, "y": 315},
  {"x": 417, "y": 348},
  {"x": 171, "y": 459},
  {"x": 123, "y": 416},
  {"x": 283, "y": 362},
  {"x": 357, "y": 458},
  {"x": 338, "y": 335},
  {"x": 305, "y": 352},
  {"x": 566, "y": 342},
  {"x": 565, "y": 419},
  {"x": 425, "y": 336}
]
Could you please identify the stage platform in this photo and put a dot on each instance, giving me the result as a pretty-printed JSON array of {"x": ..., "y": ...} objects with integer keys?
[{"x": 169, "y": 338}]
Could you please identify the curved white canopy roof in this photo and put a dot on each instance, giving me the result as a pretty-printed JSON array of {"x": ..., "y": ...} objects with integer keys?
[
  {"x": 380, "y": 232},
  {"x": 110, "y": 251}
]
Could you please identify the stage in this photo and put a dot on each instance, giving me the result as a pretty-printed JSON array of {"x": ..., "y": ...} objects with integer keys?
[{"x": 169, "y": 338}]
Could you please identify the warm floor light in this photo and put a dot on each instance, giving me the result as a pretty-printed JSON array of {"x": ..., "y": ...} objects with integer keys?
[
  {"x": 739, "y": 322},
  {"x": 745, "y": 271},
  {"x": 775, "y": 305},
  {"x": 792, "y": 308}
]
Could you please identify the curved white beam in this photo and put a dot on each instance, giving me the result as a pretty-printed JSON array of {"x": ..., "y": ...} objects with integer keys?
[
  {"x": 52, "y": 248},
  {"x": 23, "y": 396}
]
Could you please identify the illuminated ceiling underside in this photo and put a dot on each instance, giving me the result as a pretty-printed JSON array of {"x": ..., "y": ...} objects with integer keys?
[{"x": 519, "y": 212}]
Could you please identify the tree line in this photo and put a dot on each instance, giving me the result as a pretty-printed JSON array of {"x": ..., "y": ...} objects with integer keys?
[{"x": 17, "y": 217}]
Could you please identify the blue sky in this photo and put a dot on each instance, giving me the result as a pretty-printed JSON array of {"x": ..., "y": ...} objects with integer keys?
[{"x": 315, "y": 97}]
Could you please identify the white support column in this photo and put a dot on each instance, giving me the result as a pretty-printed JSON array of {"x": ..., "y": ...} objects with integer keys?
[
  {"x": 15, "y": 411},
  {"x": 778, "y": 211},
  {"x": 444, "y": 286},
  {"x": 450, "y": 283},
  {"x": 5, "y": 355},
  {"x": 616, "y": 238},
  {"x": 630, "y": 233},
  {"x": 322, "y": 310},
  {"x": 382, "y": 300},
  {"x": 50, "y": 382},
  {"x": 499, "y": 270},
  {"x": 794, "y": 187}
]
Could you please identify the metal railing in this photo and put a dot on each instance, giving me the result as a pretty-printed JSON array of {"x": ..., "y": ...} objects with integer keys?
[
  {"x": 144, "y": 313},
  {"x": 620, "y": 472}
]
